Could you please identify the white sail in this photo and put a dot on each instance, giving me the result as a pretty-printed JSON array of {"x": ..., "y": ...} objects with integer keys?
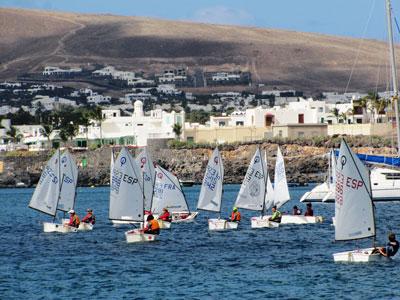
[
  {"x": 252, "y": 191},
  {"x": 111, "y": 166},
  {"x": 269, "y": 196},
  {"x": 281, "y": 189},
  {"x": 148, "y": 174},
  {"x": 168, "y": 193},
  {"x": 47, "y": 191},
  {"x": 69, "y": 175},
  {"x": 126, "y": 195},
  {"x": 354, "y": 213},
  {"x": 332, "y": 177},
  {"x": 211, "y": 190}
]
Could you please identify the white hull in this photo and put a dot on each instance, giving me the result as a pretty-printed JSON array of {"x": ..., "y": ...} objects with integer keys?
[
  {"x": 360, "y": 255},
  {"x": 180, "y": 217},
  {"x": 384, "y": 188},
  {"x": 263, "y": 222},
  {"x": 137, "y": 236},
  {"x": 220, "y": 225},
  {"x": 85, "y": 226},
  {"x": 290, "y": 219},
  {"x": 164, "y": 224},
  {"x": 61, "y": 228}
]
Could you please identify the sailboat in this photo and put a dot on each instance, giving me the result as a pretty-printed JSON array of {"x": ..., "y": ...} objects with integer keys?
[
  {"x": 325, "y": 191},
  {"x": 48, "y": 197},
  {"x": 253, "y": 190},
  {"x": 354, "y": 210},
  {"x": 210, "y": 197},
  {"x": 277, "y": 195},
  {"x": 126, "y": 196},
  {"x": 148, "y": 172},
  {"x": 168, "y": 194},
  {"x": 69, "y": 171}
]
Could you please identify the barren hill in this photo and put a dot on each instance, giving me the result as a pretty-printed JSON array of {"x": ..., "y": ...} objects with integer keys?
[{"x": 29, "y": 40}]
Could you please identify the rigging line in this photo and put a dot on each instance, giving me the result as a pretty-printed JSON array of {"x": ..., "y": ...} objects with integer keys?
[
  {"x": 362, "y": 40},
  {"x": 397, "y": 24}
]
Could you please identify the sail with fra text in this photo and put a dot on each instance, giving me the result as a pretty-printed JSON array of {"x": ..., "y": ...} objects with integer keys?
[
  {"x": 211, "y": 189},
  {"x": 47, "y": 192},
  {"x": 167, "y": 193}
]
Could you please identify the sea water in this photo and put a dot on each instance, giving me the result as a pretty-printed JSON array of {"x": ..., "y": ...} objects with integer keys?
[{"x": 188, "y": 261}]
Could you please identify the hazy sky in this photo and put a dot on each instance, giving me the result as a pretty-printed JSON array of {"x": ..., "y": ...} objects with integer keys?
[{"x": 356, "y": 18}]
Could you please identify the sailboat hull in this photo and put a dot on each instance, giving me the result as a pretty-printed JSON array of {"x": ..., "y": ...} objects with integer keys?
[
  {"x": 61, "y": 228},
  {"x": 137, "y": 236},
  {"x": 164, "y": 224},
  {"x": 82, "y": 226},
  {"x": 290, "y": 219},
  {"x": 359, "y": 255},
  {"x": 220, "y": 225},
  {"x": 181, "y": 217},
  {"x": 263, "y": 222}
]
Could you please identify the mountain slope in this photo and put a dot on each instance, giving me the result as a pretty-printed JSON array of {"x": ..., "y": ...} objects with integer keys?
[{"x": 29, "y": 40}]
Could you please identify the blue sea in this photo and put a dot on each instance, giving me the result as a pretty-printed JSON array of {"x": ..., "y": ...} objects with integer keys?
[{"x": 188, "y": 262}]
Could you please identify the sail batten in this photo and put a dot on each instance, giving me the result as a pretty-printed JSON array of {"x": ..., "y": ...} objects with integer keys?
[
  {"x": 210, "y": 197},
  {"x": 354, "y": 212}
]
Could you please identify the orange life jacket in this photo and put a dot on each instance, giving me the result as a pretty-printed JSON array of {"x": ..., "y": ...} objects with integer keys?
[
  {"x": 74, "y": 221},
  {"x": 154, "y": 225},
  {"x": 235, "y": 216}
]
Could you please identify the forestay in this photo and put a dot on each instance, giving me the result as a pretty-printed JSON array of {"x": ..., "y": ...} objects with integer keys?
[
  {"x": 211, "y": 188},
  {"x": 281, "y": 195},
  {"x": 168, "y": 193},
  {"x": 148, "y": 174},
  {"x": 354, "y": 214},
  {"x": 47, "y": 191},
  {"x": 126, "y": 195},
  {"x": 69, "y": 175},
  {"x": 252, "y": 191}
]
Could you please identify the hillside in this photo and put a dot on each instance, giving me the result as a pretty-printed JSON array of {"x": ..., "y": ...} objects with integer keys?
[{"x": 31, "y": 39}]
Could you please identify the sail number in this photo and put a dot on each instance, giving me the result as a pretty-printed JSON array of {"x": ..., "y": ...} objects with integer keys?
[
  {"x": 118, "y": 177},
  {"x": 212, "y": 176},
  {"x": 48, "y": 172},
  {"x": 350, "y": 182}
]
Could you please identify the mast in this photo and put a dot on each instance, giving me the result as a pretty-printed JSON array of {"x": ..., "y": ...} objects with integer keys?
[{"x": 394, "y": 71}]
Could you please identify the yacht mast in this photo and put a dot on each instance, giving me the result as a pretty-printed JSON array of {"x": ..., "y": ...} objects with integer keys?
[{"x": 394, "y": 71}]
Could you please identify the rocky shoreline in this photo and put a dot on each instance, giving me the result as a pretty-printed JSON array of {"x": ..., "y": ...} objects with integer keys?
[{"x": 304, "y": 164}]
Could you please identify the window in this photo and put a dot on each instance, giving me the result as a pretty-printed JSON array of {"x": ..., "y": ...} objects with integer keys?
[
  {"x": 392, "y": 176},
  {"x": 269, "y": 120},
  {"x": 300, "y": 134},
  {"x": 221, "y": 123},
  {"x": 139, "y": 125},
  {"x": 114, "y": 114},
  {"x": 301, "y": 119},
  {"x": 280, "y": 133},
  {"x": 190, "y": 139},
  {"x": 239, "y": 123}
]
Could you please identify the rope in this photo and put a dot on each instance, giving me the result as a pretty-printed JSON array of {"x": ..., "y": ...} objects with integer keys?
[{"x": 359, "y": 45}]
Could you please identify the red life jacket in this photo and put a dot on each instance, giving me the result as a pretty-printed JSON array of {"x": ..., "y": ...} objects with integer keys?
[{"x": 235, "y": 216}]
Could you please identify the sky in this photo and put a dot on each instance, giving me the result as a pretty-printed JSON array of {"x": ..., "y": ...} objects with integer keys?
[{"x": 353, "y": 18}]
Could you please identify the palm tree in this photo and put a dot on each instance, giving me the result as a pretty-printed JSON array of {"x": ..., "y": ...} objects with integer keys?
[
  {"x": 14, "y": 134},
  {"x": 335, "y": 113},
  {"x": 46, "y": 131},
  {"x": 97, "y": 115},
  {"x": 177, "y": 129}
]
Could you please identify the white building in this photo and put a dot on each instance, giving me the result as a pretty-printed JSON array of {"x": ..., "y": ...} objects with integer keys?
[
  {"x": 133, "y": 130},
  {"x": 50, "y": 103},
  {"x": 49, "y": 70},
  {"x": 96, "y": 98}
]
